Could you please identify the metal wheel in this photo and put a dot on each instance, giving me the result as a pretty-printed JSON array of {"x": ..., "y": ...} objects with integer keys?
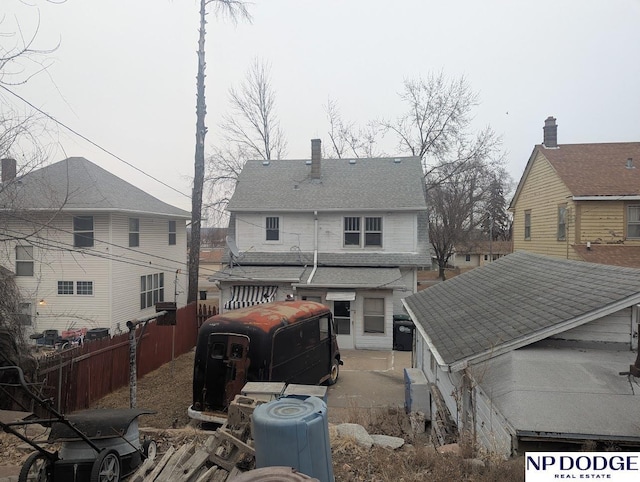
[
  {"x": 335, "y": 372},
  {"x": 37, "y": 468},
  {"x": 106, "y": 467},
  {"x": 149, "y": 449}
]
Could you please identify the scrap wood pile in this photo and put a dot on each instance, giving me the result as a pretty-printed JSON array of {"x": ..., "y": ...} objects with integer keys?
[{"x": 226, "y": 453}]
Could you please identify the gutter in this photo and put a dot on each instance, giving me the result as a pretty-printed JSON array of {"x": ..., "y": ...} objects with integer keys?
[
  {"x": 622, "y": 197},
  {"x": 315, "y": 247}
]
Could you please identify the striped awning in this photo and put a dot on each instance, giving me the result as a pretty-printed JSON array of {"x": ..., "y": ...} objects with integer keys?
[{"x": 248, "y": 295}]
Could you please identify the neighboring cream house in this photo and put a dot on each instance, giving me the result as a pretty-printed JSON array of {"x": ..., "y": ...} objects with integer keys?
[
  {"x": 88, "y": 249},
  {"x": 479, "y": 253},
  {"x": 580, "y": 201},
  {"x": 531, "y": 352},
  {"x": 350, "y": 233}
]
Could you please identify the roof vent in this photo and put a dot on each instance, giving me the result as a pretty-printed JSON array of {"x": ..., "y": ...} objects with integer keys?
[
  {"x": 630, "y": 163},
  {"x": 265, "y": 163},
  {"x": 296, "y": 187},
  {"x": 397, "y": 161},
  {"x": 308, "y": 162},
  {"x": 352, "y": 161}
]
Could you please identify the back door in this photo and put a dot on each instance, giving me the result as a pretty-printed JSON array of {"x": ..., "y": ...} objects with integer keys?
[{"x": 227, "y": 366}]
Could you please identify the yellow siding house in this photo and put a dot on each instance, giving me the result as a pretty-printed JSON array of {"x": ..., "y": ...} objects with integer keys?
[{"x": 580, "y": 201}]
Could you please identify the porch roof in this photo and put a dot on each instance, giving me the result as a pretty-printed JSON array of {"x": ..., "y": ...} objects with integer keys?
[{"x": 371, "y": 278}]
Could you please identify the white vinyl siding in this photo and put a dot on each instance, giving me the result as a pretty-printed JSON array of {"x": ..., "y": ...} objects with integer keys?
[{"x": 613, "y": 328}]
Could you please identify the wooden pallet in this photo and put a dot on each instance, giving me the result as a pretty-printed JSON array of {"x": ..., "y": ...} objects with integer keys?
[
  {"x": 444, "y": 427},
  {"x": 226, "y": 453}
]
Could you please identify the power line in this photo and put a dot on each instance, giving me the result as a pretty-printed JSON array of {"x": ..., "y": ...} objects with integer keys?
[{"x": 95, "y": 144}]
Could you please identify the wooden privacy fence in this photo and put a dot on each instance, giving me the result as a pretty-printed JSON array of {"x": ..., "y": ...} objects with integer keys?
[{"x": 75, "y": 378}]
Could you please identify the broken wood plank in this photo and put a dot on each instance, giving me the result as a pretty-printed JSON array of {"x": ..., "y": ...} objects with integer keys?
[
  {"x": 206, "y": 477},
  {"x": 138, "y": 476},
  {"x": 158, "y": 468},
  {"x": 168, "y": 473},
  {"x": 193, "y": 465}
]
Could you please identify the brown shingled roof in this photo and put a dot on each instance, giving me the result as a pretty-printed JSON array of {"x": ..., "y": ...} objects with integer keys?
[
  {"x": 597, "y": 169},
  {"x": 612, "y": 254}
]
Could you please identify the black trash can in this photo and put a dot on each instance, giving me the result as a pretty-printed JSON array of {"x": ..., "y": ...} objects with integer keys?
[{"x": 403, "y": 329}]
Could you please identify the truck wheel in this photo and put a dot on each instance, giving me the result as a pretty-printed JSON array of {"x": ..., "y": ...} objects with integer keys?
[{"x": 335, "y": 372}]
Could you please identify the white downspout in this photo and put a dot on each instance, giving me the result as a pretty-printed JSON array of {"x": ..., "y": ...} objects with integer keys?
[{"x": 315, "y": 247}]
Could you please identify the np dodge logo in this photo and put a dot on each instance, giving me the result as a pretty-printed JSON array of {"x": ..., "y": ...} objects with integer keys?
[{"x": 611, "y": 466}]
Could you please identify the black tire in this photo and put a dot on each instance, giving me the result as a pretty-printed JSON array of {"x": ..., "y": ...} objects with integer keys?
[
  {"x": 334, "y": 373},
  {"x": 106, "y": 467},
  {"x": 37, "y": 468},
  {"x": 149, "y": 449}
]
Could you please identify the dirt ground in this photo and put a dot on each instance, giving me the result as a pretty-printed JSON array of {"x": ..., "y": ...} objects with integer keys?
[{"x": 168, "y": 392}]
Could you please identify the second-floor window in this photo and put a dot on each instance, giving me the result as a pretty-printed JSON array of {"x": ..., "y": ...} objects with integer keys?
[
  {"x": 24, "y": 261},
  {"x": 83, "y": 231},
  {"x": 562, "y": 222},
  {"x": 273, "y": 228},
  {"x": 172, "y": 233},
  {"x": 134, "y": 232},
  {"x": 373, "y": 231},
  {"x": 353, "y": 231},
  {"x": 633, "y": 222},
  {"x": 151, "y": 290},
  {"x": 527, "y": 225}
]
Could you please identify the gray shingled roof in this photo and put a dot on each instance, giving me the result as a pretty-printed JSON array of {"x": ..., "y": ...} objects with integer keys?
[
  {"x": 76, "y": 184},
  {"x": 514, "y": 301},
  {"x": 248, "y": 274},
  {"x": 367, "y": 184},
  {"x": 386, "y": 278}
]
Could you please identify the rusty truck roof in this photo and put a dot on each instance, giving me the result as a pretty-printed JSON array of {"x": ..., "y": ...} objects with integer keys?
[{"x": 268, "y": 315}]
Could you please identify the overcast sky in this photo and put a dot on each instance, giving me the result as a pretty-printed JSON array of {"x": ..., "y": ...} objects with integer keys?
[{"x": 123, "y": 74}]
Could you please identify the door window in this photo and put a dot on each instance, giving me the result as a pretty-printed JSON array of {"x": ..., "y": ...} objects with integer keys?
[{"x": 342, "y": 317}]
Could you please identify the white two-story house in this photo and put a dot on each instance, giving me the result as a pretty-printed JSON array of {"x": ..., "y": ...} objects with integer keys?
[
  {"x": 88, "y": 249},
  {"x": 349, "y": 233}
]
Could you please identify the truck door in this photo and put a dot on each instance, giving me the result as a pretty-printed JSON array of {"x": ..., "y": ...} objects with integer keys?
[{"x": 227, "y": 366}]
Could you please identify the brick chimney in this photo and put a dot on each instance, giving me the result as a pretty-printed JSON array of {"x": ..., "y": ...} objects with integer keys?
[
  {"x": 8, "y": 169},
  {"x": 316, "y": 156},
  {"x": 550, "y": 129}
]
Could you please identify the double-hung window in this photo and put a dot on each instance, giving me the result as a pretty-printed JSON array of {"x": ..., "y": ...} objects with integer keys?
[
  {"x": 374, "y": 315},
  {"x": 373, "y": 231},
  {"x": 562, "y": 222},
  {"x": 352, "y": 231},
  {"x": 25, "y": 315},
  {"x": 272, "y": 228},
  {"x": 24, "y": 261},
  {"x": 83, "y": 231},
  {"x": 633, "y": 222},
  {"x": 527, "y": 225},
  {"x": 151, "y": 290},
  {"x": 134, "y": 232},
  {"x": 172, "y": 233}
]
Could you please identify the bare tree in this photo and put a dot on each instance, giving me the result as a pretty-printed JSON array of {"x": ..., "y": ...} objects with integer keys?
[
  {"x": 252, "y": 125},
  {"x": 251, "y": 131},
  {"x": 348, "y": 139},
  {"x": 234, "y": 9},
  {"x": 457, "y": 208}
]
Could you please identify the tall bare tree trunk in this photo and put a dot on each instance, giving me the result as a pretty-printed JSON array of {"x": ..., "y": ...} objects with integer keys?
[{"x": 198, "y": 178}]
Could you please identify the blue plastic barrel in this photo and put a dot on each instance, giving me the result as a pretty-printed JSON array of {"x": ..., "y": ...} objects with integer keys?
[{"x": 294, "y": 433}]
